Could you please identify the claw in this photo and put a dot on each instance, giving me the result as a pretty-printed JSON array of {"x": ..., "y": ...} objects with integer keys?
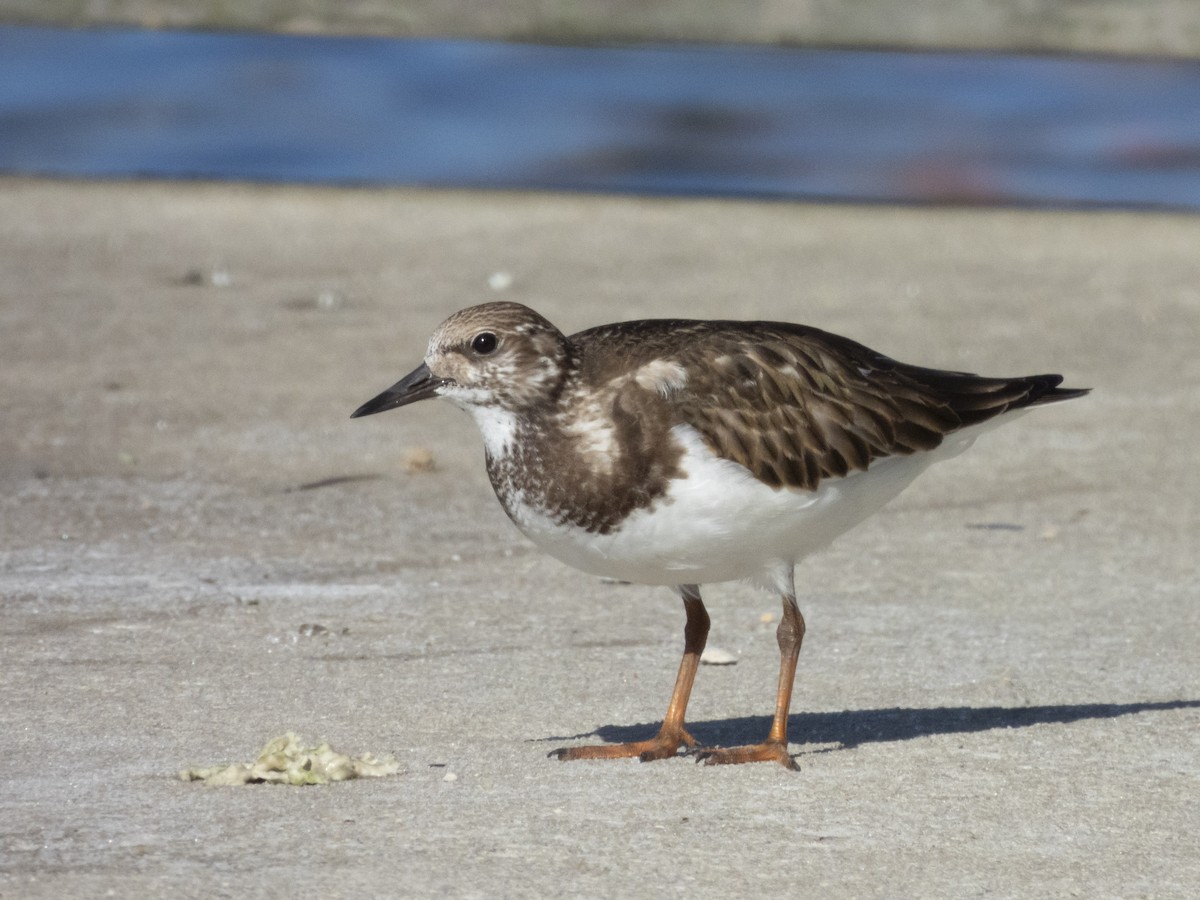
[
  {"x": 664, "y": 745},
  {"x": 768, "y": 751}
]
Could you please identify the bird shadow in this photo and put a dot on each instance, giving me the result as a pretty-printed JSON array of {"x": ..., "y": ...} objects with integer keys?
[{"x": 853, "y": 727}]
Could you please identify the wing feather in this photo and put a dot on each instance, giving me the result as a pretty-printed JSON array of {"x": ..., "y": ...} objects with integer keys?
[{"x": 797, "y": 405}]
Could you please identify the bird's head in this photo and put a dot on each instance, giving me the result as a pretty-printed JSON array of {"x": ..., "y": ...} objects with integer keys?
[{"x": 496, "y": 355}]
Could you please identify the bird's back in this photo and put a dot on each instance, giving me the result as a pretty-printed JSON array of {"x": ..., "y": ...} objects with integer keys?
[{"x": 796, "y": 405}]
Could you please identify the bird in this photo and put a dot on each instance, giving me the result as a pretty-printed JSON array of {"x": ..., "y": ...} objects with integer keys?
[{"x": 685, "y": 453}]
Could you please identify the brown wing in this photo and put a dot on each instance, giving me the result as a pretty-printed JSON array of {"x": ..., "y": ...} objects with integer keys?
[{"x": 795, "y": 405}]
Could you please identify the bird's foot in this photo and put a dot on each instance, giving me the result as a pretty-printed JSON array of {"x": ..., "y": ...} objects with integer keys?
[
  {"x": 663, "y": 745},
  {"x": 767, "y": 751}
]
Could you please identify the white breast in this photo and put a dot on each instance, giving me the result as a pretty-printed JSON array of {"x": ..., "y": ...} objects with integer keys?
[{"x": 719, "y": 523}]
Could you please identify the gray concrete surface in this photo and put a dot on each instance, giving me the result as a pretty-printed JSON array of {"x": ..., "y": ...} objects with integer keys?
[
  {"x": 1138, "y": 27},
  {"x": 1000, "y": 690}
]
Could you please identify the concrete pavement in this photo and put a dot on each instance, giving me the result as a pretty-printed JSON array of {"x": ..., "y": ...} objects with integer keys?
[{"x": 1000, "y": 689}]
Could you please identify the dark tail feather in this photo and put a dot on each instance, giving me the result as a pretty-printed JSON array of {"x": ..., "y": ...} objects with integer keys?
[
  {"x": 976, "y": 399},
  {"x": 1052, "y": 393},
  {"x": 993, "y": 396}
]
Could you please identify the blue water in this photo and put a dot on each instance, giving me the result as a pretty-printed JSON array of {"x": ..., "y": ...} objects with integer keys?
[{"x": 697, "y": 120}]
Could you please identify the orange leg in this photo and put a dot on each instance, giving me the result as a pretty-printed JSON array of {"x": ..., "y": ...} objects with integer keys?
[
  {"x": 672, "y": 735},
  {"x": 775, "y": 747}
]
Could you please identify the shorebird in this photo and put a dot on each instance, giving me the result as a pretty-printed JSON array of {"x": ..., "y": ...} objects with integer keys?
[{"x": 682, "y": 453}]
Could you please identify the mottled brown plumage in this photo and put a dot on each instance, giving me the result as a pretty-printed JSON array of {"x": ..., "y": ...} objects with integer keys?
[{"x": 795, "y": 405}]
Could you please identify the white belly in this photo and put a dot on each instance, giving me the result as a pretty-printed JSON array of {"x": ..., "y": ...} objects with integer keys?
[{"x": 721, "y": 524}]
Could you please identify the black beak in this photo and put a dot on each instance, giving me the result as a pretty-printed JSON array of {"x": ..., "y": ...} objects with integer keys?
[{"x": 418, "y": 384}]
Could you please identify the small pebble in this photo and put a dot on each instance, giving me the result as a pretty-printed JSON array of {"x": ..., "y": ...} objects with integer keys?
[
  {"x": 419, "y": 459},
  {"x": 717, "y": 656},
  {"x": 449, "y": 776},
  {"x": 500, "y": 281},
  {"x": 328, "y": 300},
  {"x": 219, "y": 278}
]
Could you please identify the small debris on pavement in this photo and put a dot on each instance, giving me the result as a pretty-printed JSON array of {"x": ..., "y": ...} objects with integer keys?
[{"x": 285, "y": 760}]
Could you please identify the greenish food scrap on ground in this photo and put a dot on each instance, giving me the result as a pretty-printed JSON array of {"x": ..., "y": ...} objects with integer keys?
[{"x": 285, "y": 760}]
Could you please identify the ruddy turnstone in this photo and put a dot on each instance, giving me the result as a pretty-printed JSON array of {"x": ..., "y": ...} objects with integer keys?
[{"x": 684, "y": 453}]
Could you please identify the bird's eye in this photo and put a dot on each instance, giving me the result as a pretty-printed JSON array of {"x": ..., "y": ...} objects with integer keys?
[{"x": 483, "y": 343}]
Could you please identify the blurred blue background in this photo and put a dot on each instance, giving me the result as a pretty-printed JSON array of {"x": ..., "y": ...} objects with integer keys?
[{"x": 662, "y": 119}]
